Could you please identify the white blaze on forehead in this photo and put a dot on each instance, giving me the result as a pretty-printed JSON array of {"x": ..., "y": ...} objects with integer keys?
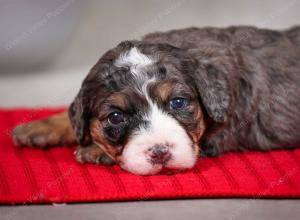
[{"x": 133, "y": 59}]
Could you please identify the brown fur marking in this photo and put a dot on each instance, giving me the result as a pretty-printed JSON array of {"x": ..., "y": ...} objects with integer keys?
[{"x": 53, "y": 131}]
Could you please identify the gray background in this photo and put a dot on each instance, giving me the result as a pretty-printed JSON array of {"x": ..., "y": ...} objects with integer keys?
[
  {"x": 100, "y": 25},
  {"x": 46, "y": 49}
]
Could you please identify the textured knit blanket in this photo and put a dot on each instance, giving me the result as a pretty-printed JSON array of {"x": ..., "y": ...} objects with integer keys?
[{"x": 44, "y": 176}]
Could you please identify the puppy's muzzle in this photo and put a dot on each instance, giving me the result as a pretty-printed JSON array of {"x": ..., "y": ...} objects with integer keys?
[{"x": 159, "y": 154}]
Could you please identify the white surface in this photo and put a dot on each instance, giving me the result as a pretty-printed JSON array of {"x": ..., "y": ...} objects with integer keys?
[{"x": 46, "y": 88}]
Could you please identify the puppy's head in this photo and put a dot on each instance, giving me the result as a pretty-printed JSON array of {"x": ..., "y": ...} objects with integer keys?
[{"x": 142, "y": 104}]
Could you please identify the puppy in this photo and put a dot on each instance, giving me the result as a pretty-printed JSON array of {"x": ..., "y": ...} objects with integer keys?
[{"x": 152, "y": 105}]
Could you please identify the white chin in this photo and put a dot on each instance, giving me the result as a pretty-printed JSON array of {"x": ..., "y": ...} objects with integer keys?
[
  {"x": 150, "y": 169},
  {"x": 143, "y": 171},
  {"x": 139, "y": 165}
]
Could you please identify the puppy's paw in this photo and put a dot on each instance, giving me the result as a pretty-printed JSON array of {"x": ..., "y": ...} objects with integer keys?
[
  {"x": 92, "y": 154},
  {"x": 53, "y": 131},
  {"x": 35, "y": 134}
]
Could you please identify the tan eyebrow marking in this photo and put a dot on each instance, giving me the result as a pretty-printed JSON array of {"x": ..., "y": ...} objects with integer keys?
[
  {"x": 118, "y": 100},
  {"x": 164, "y": 90}
]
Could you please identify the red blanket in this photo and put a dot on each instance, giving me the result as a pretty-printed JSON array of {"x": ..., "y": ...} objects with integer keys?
[{"x": 43, "y": 176}]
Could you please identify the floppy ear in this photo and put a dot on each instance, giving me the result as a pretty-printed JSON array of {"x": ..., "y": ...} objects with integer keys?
[
  {"x": 79, "y": 114},
  {"x": 213, "y": 87},
  {"x": 80, "y": 111}
]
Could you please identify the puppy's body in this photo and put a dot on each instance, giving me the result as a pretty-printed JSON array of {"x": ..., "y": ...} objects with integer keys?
[
  {"x": 263, "y": 76},
  {"x": 241, "y": 86}
]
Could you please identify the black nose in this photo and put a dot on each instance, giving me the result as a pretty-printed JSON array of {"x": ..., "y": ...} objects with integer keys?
[{"x": 160, "y": 154}]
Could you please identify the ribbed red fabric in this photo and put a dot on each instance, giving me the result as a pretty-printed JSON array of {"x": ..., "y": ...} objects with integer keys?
[{"x": 45, "y": 176}]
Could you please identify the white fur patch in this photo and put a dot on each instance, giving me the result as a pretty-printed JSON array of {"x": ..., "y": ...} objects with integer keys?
[
  {"x": 163, "y": 129},
  {"x": 133, "y": 59}
]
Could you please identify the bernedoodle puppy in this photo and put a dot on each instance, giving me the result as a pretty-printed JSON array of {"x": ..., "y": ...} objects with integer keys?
[{"x": 156, "y": 104}]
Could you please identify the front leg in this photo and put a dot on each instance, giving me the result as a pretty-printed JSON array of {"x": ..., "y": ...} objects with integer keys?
[
  {"x": 53, "y": 131},
  {"x": 92, "y": 154}
]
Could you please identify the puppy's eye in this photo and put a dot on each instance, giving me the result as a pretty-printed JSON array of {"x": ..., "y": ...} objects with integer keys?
[
  {"x": 178, "y": 103},
  {"x": 116, "y": 117}
]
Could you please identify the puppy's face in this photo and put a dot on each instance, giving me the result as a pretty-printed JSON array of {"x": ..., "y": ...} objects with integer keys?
[{"x": 143, "y": 109}]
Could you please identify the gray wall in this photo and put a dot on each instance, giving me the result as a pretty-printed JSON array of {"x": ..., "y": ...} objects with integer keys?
[
  {"x": 100, "y": 25},
  {"x": 106, "y": 23}
]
